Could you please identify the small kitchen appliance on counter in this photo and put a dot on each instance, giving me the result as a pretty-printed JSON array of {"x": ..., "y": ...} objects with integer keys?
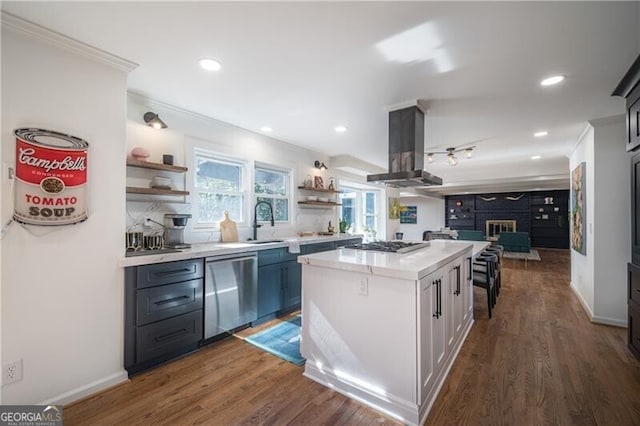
[{"x": 174, "y": 230}]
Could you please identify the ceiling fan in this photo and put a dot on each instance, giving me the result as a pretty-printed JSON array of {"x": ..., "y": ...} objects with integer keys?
[{"x": 450, "y": 153}]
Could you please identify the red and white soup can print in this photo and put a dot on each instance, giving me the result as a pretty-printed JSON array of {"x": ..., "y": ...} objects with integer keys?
[{"x": 51, "y": 178}]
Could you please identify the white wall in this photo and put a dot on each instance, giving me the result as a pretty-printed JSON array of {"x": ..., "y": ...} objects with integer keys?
[
  {"x": 430, "y": 216},
  {"x": 612, "y": 225},
  {"x": 186, "y": 130},
  {"x": 62, "y": 288},
  {"x": 599, "y": 277},
  {"x": 582, "y": 269}
]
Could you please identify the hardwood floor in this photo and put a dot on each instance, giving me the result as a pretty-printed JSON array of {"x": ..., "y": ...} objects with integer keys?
[{"x": 537, "y": 361}]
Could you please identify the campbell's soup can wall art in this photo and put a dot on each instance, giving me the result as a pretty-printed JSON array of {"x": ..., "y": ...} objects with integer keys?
[{"x": 51, "y": 178}]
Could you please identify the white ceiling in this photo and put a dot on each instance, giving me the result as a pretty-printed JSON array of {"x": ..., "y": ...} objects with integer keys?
[{"x": 304, "y": 68}]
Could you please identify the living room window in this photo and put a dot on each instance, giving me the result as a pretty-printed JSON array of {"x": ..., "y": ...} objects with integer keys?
[
  {"x": 220, "y": 184},
  {"x": 273, "y": 186}
]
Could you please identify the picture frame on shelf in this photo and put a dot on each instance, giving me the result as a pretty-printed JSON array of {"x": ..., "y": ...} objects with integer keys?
[{"x": 318, "y": 183}]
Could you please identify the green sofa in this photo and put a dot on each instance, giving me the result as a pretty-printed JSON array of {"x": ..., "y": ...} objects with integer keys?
[
  {"x": 515, "y": 241},
  {"x": 470, "y": 235}
]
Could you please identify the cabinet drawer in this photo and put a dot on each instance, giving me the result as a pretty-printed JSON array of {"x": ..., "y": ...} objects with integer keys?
[
  {"x": 634, "y": 283},
  {"x": 634, "y": 330},
  {"x": 168, "y": 336},
  {"x": 350, "y": 241},
  {"x": 170, "y": 272},
  {"x": 166, "y": 301},
  {"x": 278, "y": 255},
  {"x": 318, "y": 247}
]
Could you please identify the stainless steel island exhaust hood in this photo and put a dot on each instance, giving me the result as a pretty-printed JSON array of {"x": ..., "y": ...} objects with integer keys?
[{"x": 406, "y": 151}]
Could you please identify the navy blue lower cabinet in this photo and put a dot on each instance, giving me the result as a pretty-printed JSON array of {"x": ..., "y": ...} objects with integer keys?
[
  {"x": 270, "y": 279},
  {"x": 292, "y": 289}
]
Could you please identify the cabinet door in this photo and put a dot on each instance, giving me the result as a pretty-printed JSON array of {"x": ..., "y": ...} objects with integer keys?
[
  {"x": 633, "y": 120},
  {"x": 439, "y": 323},
  {"x": 635, "y": 209},
  {"x": 457, "y": 298},
  {"x": 269, "y": 289},
  {"x": 467, "y": 294},
  {"x": 449, "y": 311},
  {"x": 426, "y": 310},
  {"x": 292, "y": 286}
]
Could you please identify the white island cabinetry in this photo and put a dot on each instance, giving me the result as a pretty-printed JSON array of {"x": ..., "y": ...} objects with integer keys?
[{"x": 385, "y": 328}]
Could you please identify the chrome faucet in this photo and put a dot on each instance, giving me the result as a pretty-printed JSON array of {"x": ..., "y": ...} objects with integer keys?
[{"x": 255, "y": 218}]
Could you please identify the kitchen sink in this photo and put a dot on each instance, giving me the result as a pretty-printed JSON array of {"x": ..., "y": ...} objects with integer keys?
[{"x": 264, "y": 241}]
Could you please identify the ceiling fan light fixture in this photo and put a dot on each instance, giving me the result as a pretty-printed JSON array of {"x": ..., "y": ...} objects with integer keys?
[
  {"x": 468, "y": 152},
  {"x": 430, "y": 157}
]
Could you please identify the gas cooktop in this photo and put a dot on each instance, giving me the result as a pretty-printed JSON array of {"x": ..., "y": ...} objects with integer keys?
[{"x": 389, "y": 246}]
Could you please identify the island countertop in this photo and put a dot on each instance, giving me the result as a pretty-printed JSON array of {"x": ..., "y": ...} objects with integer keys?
[{"x": 413, "y": 265}]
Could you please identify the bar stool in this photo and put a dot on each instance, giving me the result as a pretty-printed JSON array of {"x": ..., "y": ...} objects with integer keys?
[
  {"x": 484, "y": 275},
  {"x": 498, "y": 250}
]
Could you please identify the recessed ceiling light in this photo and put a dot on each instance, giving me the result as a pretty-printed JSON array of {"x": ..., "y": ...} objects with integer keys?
[
  {"x": 550, "y": 81},
  {"x": 536, "y": 157},
  {"x": 340, "y": 129},
  {"x": 266, "y": 129},
  {"x": 540, "y": 134},
  {"x": 210, "y": 64}
]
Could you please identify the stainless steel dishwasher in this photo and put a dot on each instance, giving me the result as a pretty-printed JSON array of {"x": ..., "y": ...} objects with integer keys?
[{"x": 231, "y": 292}]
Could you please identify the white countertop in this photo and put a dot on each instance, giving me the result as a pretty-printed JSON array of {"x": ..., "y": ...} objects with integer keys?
[
  {"x": 413, "y": 265},
  {"x": 213, "y": 249}
]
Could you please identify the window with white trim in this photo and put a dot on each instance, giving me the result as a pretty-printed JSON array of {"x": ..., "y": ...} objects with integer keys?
[
  {"x": 272, "y": 185},
  {"x": 361, "y": 209},
  {"x": 219, "y": 185}
]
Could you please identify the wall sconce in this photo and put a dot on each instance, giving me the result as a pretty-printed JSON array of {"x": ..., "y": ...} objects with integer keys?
[
  {"x": 319, "y": 165},
  {"x": 152, "y": 119},
  {"x": 450, "y": 153}
]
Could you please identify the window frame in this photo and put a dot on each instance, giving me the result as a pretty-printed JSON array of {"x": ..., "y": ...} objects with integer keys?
[
  {"x": 289, "y": 190},
  {"x": 360, "y": 213},
  {"x": 244, "y": 184}
]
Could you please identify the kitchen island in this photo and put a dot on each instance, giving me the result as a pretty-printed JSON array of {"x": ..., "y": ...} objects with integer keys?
[{"x": 385, "y": 328}]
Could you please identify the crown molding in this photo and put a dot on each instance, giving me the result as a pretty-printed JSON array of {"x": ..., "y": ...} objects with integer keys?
[{"x": 34, "y": 31}]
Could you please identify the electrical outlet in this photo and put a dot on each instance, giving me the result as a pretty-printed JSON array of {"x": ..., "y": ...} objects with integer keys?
[
  {"x": 147, "y": 223},
  {"x": 12, "y": 372},
  {"x": 9, "y": 171},
  {"x": 364, "y": 286}
]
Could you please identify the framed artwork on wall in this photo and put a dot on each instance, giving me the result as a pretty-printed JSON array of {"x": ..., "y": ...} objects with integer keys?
[
  {"x": 578, "y": 208},
  {"x": 409, "y": 214}
]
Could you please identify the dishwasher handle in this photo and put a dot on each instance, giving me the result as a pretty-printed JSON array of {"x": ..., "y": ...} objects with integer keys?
[{"x": 234, "y": 257}]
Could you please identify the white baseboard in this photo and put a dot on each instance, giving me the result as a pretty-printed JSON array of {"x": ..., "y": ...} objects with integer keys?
[
  {"x": 596, "y": 319},
  {"x": 88, "y": 389},
  {"x": 609, "y": 321},
  {"x": 586, "y": 307}
]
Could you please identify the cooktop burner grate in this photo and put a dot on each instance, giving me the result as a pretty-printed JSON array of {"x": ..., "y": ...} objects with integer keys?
[{"x": 389, "y": 246}]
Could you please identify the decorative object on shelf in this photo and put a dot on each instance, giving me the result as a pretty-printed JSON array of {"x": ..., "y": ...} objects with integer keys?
[
  {"x": 556, "y": 209},
  {"x": 409, "y": 214},
  {"x": 459, "y": 203},
  {"x": 331, "y": 186},
  {"x": 331, "y": 229},
  {"x": 514, "y": 198},
  {"x": 50, "y": 178},
  {"x": 450, "y": 153},
  {"x": 344, "y": 225},
  {"x": 318, "y": 182},
  {"x": 140, "y": 154},
  {"x": 488, "y": 198},
  {"x": 548, "y": 200},
  {"x": 578, "y": 210},
  {"x": 308, "y": 183},
  {"x": 152, "y": 119},
  {"x": 167, "y": 159},
  {"x": 318, "y": 165},
  {"x": 545, "y": 216},
  {"x": 160, "y": 182}
]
